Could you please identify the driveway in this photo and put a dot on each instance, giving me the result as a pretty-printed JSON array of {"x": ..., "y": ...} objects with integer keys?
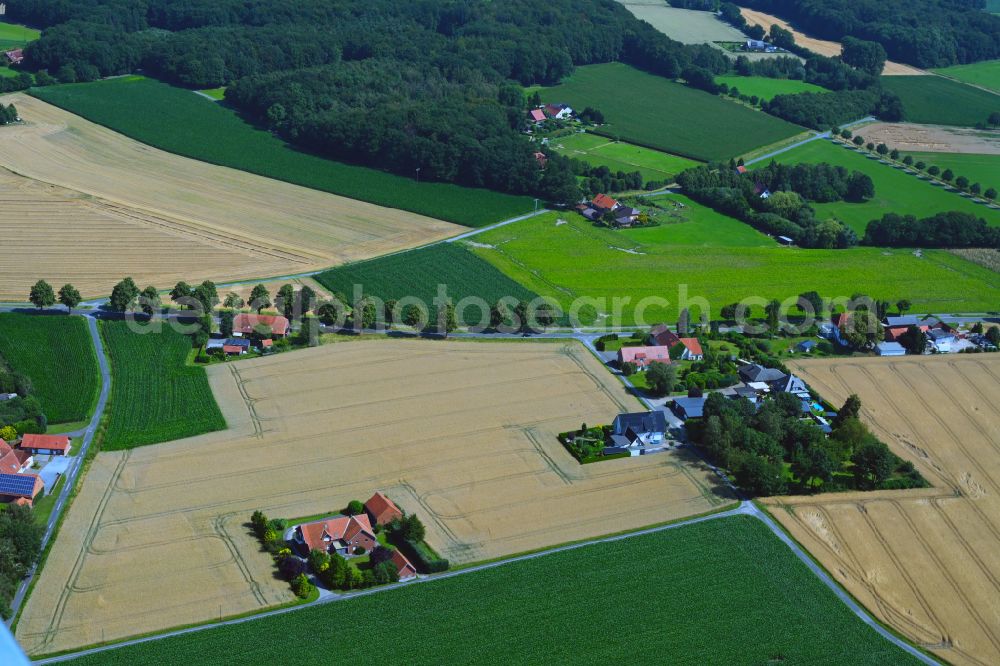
[{"x": 52, "y": 470}]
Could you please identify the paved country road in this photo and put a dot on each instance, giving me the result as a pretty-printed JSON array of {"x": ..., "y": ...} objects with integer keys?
[{"x": 814, "y": 137}]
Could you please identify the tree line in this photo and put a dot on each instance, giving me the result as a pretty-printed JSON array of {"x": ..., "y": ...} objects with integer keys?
[
  {"x": 774, "y": 199},
  {"x": 952, "y": 229}
]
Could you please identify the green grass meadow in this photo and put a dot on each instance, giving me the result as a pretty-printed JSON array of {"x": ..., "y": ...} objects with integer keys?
[
  {"x": 179, "y": 121},
  {"x": 652, "y": 111},
  {"x": 726, "y": 591},
  {"x": 57, "y": 354},
  {"x": 895, "y": 190},
  {"x": 982, "y": 169},
  {"x": 621, "y": 156},
  {"x": 13, "y": 36},
  {"x": 766, "y": 88},
  {"x": 940, "y": 101},
  {"x": 985, "y": 74},
  {"x": 721, "y": 260},
  {"x": 155, "y": 397},
  {"x": 417, "y": 273}
]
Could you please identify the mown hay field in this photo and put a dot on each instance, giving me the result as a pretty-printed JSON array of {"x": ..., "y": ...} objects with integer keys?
[
  {"x": 687, "y": 26},
  {"x": 722, "y": 591},
  {"x": 895, "y": 190},
  {"x": 462, "y": 434},
  {"x": 87, "y": 205},
  {"x": 621, "y": 156},
  {"x": 666, "y": 115},
  {"x": 57, "y": 354},
  {"x": 940, "y": 101},
  {"x": 926, "y": 562},
  {"x": 155, "y": 397},
  {"x": 179, "y": 121},
  {"x": 719, "y": 259}
]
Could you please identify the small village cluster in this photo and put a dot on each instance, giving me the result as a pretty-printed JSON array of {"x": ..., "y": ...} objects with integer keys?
[
  {"x": 18, "y": 485},
  {"x": 249, "y": 329},
  {"x": 939, "y": 336}
]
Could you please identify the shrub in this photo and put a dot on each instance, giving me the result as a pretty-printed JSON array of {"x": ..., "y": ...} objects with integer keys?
[
  {"x": 360, "y": 550},
  {"x": 291, "y": 568},
  {"x": 354, "y": 507},
  {"x": 319, "y": 561},
  {"x": 301, "y": 586}
]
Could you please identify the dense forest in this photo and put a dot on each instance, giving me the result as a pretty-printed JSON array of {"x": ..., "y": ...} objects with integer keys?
[
  {"x": 429, "y": 85},
  {"x": 925, "y": 33},
  {"x": 774, "y": 199},
  {"x": 950, "y": 229}
]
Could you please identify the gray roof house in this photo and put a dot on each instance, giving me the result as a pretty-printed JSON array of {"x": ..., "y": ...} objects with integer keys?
[
  {"x": 688, "y": 408},
  {"x": 890, "y": 349},
  {"x": 754, "y": 372},
  {"x": 639, "y": 432},
  {"x": 791, "y": 384},
  {"x": 806, "y": 346},
  {"x": 908, "y": 320}
]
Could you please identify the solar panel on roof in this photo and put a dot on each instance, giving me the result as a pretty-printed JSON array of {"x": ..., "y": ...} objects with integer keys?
[{"x": 17, "y": 484}]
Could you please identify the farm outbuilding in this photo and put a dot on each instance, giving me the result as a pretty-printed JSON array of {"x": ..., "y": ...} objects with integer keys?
[{"x": 54, "y": 445}]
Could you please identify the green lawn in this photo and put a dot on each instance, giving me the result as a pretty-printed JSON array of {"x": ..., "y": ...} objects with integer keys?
[
  {"x": 652, "y": 111},
  {"x": 418, "y": 273},
  {"x": 895, "y": 190},
  {"x": 57, "y": 354},
  {"x": 181, "y": 122},
  {"x": 721, "y": 260},
  {"x": 940, "y": 101},
  {"x": 983, "y": 169},
  {"x": 622, "y": 156},
  {"x": 986, "y": 73},
  {"x": 766, "y": 88},
  {"x": 155, "y": 397},
  {"x": 725, "y": 591},
  {"x": 43, "y": 507},
  {"x": 13, "y": 36},
  {"x": 215, "y": 93}
]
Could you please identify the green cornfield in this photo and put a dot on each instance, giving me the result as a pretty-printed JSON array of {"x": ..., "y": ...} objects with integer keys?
[
  {"x": 725, "y": 591},
  {"x": 418, "y": 273},
  {"x": 57, "y": 354},
  {"x": 181, "y": 122},
  {"x": 155, "y": 397}
]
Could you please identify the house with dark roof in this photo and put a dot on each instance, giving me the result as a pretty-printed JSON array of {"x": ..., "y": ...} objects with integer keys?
[
  {"x": 805, "y": 346},
  {"x": 691, "y": 351},
  {"x": 942, "y": 339},
  {"x": 53, "y": 445},
  {"x": 558, "y": 111},
  {"x": 907, "y": 320},
  {"x": 754, "y": 372},
  {"x": 639, "y": 432},
  {"x": 341, "y": 535},
  {"x": 791, "y": 384},
  {"x": 20, "y": 488},
  {"x": 688, "y": 408},
  {"x": 245, "y": 324},
  {"x": 626, "y": 216},
  {"x": 381, "y": 510}
]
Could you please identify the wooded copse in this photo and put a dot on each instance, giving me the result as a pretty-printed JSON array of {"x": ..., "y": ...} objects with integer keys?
[
  {"x": 774, "y": 199},
  {"x": 951, "y": 229}
]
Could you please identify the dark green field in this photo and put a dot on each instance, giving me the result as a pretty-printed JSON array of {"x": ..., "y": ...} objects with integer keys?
[
  {"x": 652, "y": 111},
  {"x": 57, "y": 354},
  {"x": 182, "y": 122},
  {"x": 154, "y": 396},
  {"x": 939, "y": 101},
  {"x": 418, "y": 272},
  {"x": 725, "y": 591}
]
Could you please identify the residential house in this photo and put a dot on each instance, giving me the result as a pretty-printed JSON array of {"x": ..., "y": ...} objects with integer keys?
[
  {"x": 756, "y": 45},
  {"x": 536, "y": 116},
  {"x": 53, "y": 445},
  {"x": 643, "y": 356},
  {"x": 755, "y": 372},
  {"x": 558, "y": 111},
  {"x": 894, "y": 333},
  {"x": 626, "y": 216},
  {"x": 747, "y": 392},
  {"x": 639, "y": 432},
  {"x": 603, "y": 203},
  {"x": 890, "y": 349},
  {"x": 942, "y": 340},
  {"x": 406, "y": 570},
  {"x": 688, "y": 408},
  {"x": 381, "y": 510},
  {"x": 741, "y": 169},
  {"x": 791, "y": 384},
  {"x": 14, "y": 56},
  {"x": 691, "y": 351},
  {"x": 341, "y": 535},
  {"x": 590, "y": 213},
  {"x": 20, "y": 488},
  {"x": 13, "y": 461},
  {"x": 806, "y": 346},
  {"x": 236, "y": 346},
  {"x": 244, "y": 324},
  {"x": 904, "y": 321}
]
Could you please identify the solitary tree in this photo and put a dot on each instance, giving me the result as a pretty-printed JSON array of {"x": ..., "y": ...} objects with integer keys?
[
  {"x": 260, "y": 298},
  {"x": 149, "y": 300},
  {"x": 903, "y": 305},
  {"x": 123, "y": 295},
  {"x": 661, "y": 378},
  {"x": 684, "y": 322},
  {"x": 42, "y": 295},
  {"x": 69, "y": 297}
]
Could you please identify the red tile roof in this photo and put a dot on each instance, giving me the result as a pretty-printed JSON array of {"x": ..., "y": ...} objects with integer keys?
[
  {"x": 537, "y": 115},
  {"x": 692, "y": 345},
  {"x": 54, "y": 442},
  {"x": 893, "y": 333},
  {"x": 741, "y": 169},
  {"x": 9, "y": 462},
  {"x": 245, "y": 323},
  {"x": 643, "y": 356},
  {"x": 406, "y": 570},
  {"x": 15, "y": 55},
  {"x": 664, "y": 336},
  {"x": 232, "y": 349},
  {"x": 603, "y": 202},
  {"x": 382, "y": 509},
  {"x": 317, "y": 535}
]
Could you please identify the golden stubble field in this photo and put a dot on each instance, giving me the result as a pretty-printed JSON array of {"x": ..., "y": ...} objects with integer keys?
[
  {"x": 83, "y": 204},
  {"x": 462, "y": 434},
  {"x": 926, "y": 562}
]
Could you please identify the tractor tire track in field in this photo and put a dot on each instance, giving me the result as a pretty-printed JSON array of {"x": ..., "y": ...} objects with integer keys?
[
  {"x": 95, "y": 524},
  {"x": 552, "y": 465},
  {"x": 219, "y": 527},
  {"x": 250, "y": 402}
]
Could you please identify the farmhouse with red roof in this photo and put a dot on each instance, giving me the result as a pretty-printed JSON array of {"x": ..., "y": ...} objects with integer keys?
[
  {"x": 406, "y": 570},
  {"x": 20, "y": 488},
  {"x": 643, "y": 356},
  {"x": 536, "y": 116},
  {"x": 691, "y": 350},
  {"x": 10, "y": 461},
  {"x": 382, "y": 510},
  {"x": 341, "y": 535},
  {"x": 244, "y": 324},
  {"x": 14, "y": 56},
  {"x": 55, "y": 445}
]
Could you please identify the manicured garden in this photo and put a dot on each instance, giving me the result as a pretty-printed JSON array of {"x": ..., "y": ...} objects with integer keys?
[
  {"x": 721, "y": 591},
  {"x": 985, "y": 74},
  {"x": 721, "y": 260},
  {"x": 57, "y": 355},
  {"x": 652, "y": 111},
  {"x": 895, "y": 190},
  {"x": 940, "y": 101},
  {"x": 155, "y": 396},
  {"x": 621, "y": 156},
  {"x": 179, "y": 121},
  {"x": 764, "y": 87}
]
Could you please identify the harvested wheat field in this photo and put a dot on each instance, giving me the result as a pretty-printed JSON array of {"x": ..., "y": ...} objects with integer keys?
[
  {"x": 932, "y": 138},
  {"x": 926, "y": 562},
  {"x": 87, "y": 202},
  {"x": 823, "y": 47},
  {"x": 463, "y": 434}
]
